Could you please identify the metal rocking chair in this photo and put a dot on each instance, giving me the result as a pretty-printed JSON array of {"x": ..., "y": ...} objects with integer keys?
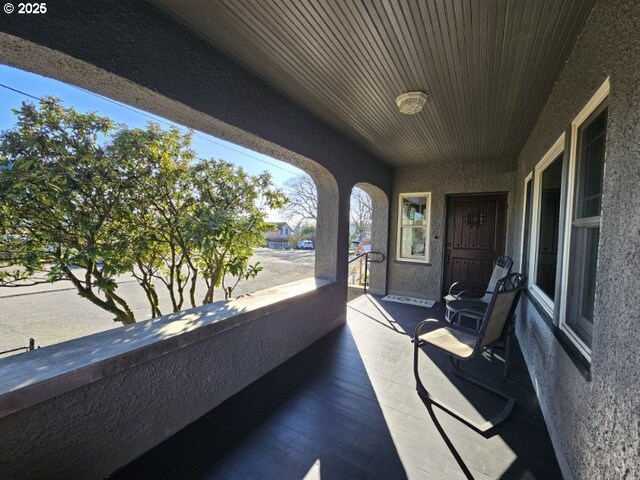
[
  {"x": 475, "y": 302},
  {"x": 462, "y": 343}
]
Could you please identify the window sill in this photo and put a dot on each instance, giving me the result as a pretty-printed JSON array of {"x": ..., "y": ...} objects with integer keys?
[
  {"x": 543, "y": 301},
  {"x": 42, "y": 374},
  {"x": 412, "y": 261},
  {"x": 582, "y": 364}
]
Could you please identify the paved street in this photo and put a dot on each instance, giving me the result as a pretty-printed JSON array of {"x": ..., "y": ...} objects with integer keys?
[{"x": 53, "y": 313}]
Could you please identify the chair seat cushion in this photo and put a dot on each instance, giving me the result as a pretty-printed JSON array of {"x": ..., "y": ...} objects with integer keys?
[{"x": 458, "y": 343}]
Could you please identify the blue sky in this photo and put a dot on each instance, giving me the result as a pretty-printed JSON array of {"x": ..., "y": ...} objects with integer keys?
[{"x": 206, "y": 146}]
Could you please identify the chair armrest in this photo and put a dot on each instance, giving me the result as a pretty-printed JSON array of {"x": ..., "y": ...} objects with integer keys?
[
  {"x": 422, "y": 324},
  {"x": 451, "y": 287},
  {"x": 471, "y": 291}
]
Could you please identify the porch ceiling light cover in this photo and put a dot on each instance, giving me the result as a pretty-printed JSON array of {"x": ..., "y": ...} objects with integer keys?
[{"x": 411, "y": 102}]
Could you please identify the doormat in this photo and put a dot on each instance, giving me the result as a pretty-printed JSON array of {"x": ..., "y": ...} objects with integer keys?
[{"x": 420, "y": 302}]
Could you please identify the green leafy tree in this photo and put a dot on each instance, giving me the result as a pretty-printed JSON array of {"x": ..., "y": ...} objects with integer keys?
[
  {"x": 308, "y": 232},
  {"x": 229, "y": 221},
  {"x": 163, "y": 200},
  {"x": 304, "y": 231},
  {"x": 62, "y": 198},
  {"x": 86, "y": 203}
]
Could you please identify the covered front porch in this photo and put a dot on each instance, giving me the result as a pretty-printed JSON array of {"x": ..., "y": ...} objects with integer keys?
[
  {"x": 346, "y": 407},
  {"x": 295, "y": 382}
]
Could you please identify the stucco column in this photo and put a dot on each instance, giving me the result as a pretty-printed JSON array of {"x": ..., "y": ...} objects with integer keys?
[
  {"x": 327, "y": 227},
  {"x": 379, "y": 237}
]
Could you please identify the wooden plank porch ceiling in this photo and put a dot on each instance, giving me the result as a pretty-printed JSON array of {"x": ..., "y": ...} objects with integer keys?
[
  {"x": 346, "y": 407},
  {"x": 488, "y": 66}
]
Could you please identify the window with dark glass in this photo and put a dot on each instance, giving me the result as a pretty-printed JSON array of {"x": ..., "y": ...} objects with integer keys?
[
  {"x": 526, "y": 228},
  {"x": 546, "y": 273},
  {"x": 585, "y": 225}
]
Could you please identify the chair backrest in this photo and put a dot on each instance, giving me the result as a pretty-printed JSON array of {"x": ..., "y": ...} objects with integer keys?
[
  {"x": 501, "y": 270},
  {"x": 501, "y": 307}
]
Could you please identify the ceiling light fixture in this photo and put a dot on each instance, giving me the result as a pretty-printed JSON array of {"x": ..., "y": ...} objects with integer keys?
[{"x": 411, "y": 102}]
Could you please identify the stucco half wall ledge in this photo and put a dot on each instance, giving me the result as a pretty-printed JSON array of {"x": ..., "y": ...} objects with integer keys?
[{"x": 40, "y": 375}]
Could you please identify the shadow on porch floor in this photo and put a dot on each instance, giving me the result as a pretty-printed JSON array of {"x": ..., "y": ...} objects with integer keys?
[{"x": 346, "y": 407}]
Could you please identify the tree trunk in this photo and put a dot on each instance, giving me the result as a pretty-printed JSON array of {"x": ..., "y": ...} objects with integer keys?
[
  {"x": 192, "y": 290},
  {"x": 148, "y": 287},
  {"x": 121, "y": 315},
  {"x": 215, "y": 278}
]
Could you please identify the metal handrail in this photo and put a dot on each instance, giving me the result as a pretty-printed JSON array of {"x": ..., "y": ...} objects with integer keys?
[
  {"x": 366, "y": 254},
  {"x": 366, "y": 263},
  {"x": 32, "y": 346}
]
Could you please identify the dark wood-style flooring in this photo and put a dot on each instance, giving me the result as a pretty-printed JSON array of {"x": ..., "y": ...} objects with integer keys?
[{"x": 347, "y": 408}]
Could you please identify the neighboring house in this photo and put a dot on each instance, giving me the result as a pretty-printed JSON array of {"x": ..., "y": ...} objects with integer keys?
[
  {"x": 528, "y": 145},
  {"x": 281, "y": 232},
  {"x": 279, "y": 237}
]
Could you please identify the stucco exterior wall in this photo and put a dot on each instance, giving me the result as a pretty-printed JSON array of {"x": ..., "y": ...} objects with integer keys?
[
  {"x": 425, "y": 280},
  {"x": 595, "y": 424}
]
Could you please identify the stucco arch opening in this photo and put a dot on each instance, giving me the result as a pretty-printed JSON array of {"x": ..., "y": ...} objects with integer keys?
[
  {"x": 379, "y": 235},
  {"x": 44, "y": 61}
]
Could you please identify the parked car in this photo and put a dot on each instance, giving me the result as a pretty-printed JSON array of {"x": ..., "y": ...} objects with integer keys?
[{"x": 304, "y": 245}]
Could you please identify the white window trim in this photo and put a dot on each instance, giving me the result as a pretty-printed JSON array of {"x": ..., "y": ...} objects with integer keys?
[
  {"x": 592, "y": 105},
  {"x": 524, "y": 218},
  {"x": 550, "y": 156},
  {"x": 426, "y": 226}
]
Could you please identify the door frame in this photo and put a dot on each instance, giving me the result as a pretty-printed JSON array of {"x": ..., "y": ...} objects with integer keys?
[{"x": 444, "y": 289}]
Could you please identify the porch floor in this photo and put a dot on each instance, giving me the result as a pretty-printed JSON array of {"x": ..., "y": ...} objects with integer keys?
[{"x": 346, "y": 407}]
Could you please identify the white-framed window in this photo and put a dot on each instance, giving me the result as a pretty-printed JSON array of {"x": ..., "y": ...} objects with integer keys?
[
  {"x": 527, "y": 204},
  {"x": 582, "y": 228},
  {"x": 545, "y": 226},
  {"x": 413, "y": 226}
]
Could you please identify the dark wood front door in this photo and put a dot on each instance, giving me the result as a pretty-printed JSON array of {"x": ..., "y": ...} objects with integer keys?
[{"x": 475, "y": 237}]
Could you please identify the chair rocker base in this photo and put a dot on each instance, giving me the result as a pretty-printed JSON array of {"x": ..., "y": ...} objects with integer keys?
[
  {"x": 482, "y": 428},
  {"x": 462, "y": 344}
]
